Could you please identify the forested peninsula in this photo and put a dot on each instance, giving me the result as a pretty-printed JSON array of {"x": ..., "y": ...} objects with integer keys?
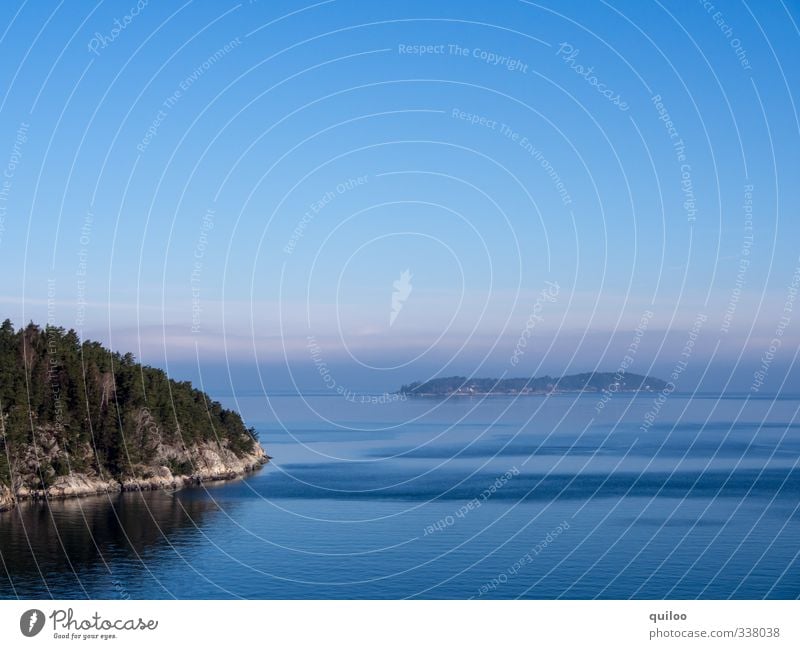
[
  {"x": 78, "y": 419},
  {"x": 585, "y": 382}
]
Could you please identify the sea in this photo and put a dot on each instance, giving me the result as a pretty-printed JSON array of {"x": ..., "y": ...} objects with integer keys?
[{"x": 560, "y": 496}]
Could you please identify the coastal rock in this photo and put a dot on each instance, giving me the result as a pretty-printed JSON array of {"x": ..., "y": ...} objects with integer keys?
[
  {"x": 160, "y": 478},
  {"x": 70, "y": 486},
  {"x": 6, "y": 498},
  {"x": 216, "y": 462}
]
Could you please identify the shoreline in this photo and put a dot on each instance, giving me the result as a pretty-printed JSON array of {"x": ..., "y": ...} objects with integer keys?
[{"x": 80, "y": 485}]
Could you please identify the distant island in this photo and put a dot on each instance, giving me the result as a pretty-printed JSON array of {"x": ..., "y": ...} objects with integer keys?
[
  {"x": 77, "y": 419},
  {"x": 586, "y": 382}
]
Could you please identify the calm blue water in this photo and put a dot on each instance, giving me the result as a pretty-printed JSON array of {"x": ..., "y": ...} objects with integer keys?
[{"x": 372, "y": 501}]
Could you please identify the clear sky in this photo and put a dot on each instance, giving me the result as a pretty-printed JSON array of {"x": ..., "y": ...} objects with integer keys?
[{"x": 217, "y": 184}]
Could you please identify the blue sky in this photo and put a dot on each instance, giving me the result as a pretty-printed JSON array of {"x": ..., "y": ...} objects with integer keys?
[{"x": 470, "y": 143}]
